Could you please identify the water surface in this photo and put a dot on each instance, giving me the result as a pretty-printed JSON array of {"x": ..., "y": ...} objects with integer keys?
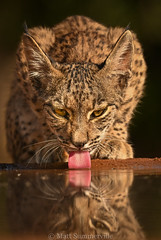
[{"x": 80, "y": 204}]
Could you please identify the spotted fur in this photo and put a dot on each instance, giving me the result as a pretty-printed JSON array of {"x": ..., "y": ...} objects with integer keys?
[{"x": 79, "y": 66}]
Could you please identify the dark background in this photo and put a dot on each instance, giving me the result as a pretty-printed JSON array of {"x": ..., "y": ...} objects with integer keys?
[{"x": 144, "y": 17}]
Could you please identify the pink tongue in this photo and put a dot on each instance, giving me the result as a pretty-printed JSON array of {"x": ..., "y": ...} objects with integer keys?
[
  {"x": 80, "y": 178},
  {"x": 79, "y": 159}
]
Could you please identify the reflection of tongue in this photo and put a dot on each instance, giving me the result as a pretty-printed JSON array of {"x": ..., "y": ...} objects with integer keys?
[{"x": 79, "y": 159}]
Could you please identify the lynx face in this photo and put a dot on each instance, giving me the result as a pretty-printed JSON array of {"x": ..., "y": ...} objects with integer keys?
[{"x": 79, "y": 120}]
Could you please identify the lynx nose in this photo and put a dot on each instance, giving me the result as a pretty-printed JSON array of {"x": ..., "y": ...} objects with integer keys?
[
  {"x": 79, "y": 138},
  {"x": 79, "y": 144}
]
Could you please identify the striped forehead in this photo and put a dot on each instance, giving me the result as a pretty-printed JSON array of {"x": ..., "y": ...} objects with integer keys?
[
  {"x": 79, "y": 78},
  {"x": 79, "y": 85}
]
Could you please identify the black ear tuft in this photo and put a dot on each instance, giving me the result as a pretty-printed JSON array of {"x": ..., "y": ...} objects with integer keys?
[
  {"x": 25, "y": 27},
  {"x": 127, "y": 27}
]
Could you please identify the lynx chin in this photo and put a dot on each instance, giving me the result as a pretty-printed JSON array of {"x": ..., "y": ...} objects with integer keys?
[{"x": 76, "y": 87}]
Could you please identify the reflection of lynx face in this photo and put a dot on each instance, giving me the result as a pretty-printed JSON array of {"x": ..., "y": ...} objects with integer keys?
[
  {"x": 49, "y": 204},
  {"x": 102, "y": 209},
  {"x": 78, "y": 85}
]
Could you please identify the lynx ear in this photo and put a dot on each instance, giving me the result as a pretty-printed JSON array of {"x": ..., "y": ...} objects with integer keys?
[
  {"x": 120, "y": 59},
  {"x": 40, "y": 69}
]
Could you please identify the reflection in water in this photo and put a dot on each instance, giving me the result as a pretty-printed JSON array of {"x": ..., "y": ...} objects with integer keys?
[
  {"x": 66, "y": 205},
  {"x": 80, "y": 178}
]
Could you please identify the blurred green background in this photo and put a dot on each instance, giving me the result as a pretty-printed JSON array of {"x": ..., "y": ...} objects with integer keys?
[{"x": 144, "y": 17}]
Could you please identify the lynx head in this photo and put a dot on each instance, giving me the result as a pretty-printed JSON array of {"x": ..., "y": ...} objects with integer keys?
[{"x": 80, "y": 101}]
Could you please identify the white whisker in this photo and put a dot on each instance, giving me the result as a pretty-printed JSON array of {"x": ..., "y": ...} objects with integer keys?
[
  {"x": 38, "y": 143},
  {"x": 48, "y": 153},
  {"x": 37, "y": 153}
]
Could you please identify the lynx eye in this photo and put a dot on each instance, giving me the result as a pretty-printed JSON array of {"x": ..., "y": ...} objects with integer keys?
[
  {"x": 97, "y": 113},
  {"x": 61, "y": 112}
]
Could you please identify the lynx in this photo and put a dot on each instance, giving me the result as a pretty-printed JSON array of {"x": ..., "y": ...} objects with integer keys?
[{"x": 76, "y": 87}]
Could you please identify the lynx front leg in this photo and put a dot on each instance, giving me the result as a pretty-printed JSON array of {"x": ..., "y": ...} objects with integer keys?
[{"x": 115, "y": 149}]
